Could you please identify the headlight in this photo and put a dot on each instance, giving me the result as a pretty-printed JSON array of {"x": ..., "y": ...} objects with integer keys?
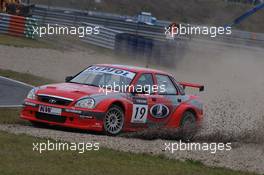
[
  {"x": 32, "y": 94},
  {"x": 85, "y": 103}
]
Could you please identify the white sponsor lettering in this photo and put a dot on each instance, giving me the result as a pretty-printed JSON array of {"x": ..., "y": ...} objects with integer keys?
[{"x": 111, "y": 70}]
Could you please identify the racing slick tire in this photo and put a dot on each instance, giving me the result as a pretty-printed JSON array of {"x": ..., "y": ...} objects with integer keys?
[
  {"x": 114, "y": 120},
  {"x": 188, "y": 126}
]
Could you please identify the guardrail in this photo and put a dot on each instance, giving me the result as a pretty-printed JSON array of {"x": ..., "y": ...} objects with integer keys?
[
  {"x": 67, "y": 16},
  {"x": 105, "y": 38},
  {"x": 70, "y": 17},
  {"x": 17, "y": 25}
]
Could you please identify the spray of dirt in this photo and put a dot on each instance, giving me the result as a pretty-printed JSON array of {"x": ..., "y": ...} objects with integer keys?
[
  {"x": 233, "y": 77},
  {"x": 233, "y": 99}
]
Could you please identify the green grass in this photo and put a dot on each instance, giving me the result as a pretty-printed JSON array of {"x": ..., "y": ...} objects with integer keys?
[
  {"x": 10, "y": 116},
  {"x": 25, "y": 77},
  {"x": 23, "y": 42},
  {"x": 17, "y": 157}
]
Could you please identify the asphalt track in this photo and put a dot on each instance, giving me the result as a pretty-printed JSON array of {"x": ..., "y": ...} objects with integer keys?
[{"x": 12, "y": 92}]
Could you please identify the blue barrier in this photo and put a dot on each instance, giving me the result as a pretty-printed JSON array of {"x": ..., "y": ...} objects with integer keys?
[{"x": 247, "y": 14}]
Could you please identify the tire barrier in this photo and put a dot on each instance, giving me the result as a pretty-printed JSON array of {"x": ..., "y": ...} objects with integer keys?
[
  {"x": 158, "y": 52},
  {"x": 133, "y": 44},
  {"x": 17, "y": 25}
]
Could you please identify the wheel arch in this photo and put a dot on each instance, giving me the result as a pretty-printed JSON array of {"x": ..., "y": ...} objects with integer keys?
[
  {"x": 106, "y": 104},
  {"x": 192, "y": 111},
  {"x": 178, "y": 115},
  {"x": 119, "y": 104}
]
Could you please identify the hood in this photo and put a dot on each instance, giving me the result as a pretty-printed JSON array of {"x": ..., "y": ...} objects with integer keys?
[{"x": 69, "y": 90}]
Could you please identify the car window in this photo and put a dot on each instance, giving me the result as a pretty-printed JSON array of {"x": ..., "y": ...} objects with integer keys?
[
  {"x": 104, "y": 77},
  {"x": 179, "y": 87},
  {"x": 112, "y": 80},
  {"x": 145, "y": 81},
  {"x": 165, "y": 85}
]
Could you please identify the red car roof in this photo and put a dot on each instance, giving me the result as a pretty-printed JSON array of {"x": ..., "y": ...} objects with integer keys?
[{"x": 133, "y": 68}]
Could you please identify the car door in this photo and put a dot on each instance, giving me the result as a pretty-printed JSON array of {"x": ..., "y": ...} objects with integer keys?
[
  {"x": 144, "y": 98},
  {"x": 153, "y": 109},
  {"x": 166, "y": 100}
]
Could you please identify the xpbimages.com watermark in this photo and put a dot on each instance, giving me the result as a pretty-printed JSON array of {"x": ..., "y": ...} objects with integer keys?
[
  {"x": 192, "y": 146},
  {"x": 80, "y": 31},
  {"x": 80, "y": 147},
  {"x": 211, "y": 31}
]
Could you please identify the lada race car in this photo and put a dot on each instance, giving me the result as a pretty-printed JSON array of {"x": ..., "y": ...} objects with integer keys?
[{"x": 114, "y": 99}]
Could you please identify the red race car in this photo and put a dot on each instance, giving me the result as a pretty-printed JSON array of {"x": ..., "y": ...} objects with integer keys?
[{"x": 114, "y": 98}]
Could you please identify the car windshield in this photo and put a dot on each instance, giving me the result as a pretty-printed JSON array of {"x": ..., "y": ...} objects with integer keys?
[{"x": 107, "y": 77}]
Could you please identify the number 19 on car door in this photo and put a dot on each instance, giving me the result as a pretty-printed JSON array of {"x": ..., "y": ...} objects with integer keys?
[{"x": 140, "y": 113}]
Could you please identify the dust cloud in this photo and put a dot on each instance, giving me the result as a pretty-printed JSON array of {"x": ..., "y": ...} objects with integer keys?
[{"x": 233, "y": 76}]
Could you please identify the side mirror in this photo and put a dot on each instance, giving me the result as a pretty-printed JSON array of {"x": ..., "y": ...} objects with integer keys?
[{"x": 68, "y": 78}]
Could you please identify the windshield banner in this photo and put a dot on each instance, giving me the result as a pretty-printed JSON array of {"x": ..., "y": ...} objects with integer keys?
[{"x": 111, "y": 70}]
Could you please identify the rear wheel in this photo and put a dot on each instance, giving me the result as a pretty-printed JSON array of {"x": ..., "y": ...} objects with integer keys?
[
  {"x": 114, "y": 120},
  {"x": 188, "y": 126}
]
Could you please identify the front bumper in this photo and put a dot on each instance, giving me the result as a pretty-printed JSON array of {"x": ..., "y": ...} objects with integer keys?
[{"x": 70, "y": 116}]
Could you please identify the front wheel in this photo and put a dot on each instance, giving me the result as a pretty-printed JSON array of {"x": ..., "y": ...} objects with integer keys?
[
  {"x": 114, "y": 120},
  {"x": 188, "y": 126}
]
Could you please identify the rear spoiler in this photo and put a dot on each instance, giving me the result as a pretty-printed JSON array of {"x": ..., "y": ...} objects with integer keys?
[{"x": 185, "y": 84}]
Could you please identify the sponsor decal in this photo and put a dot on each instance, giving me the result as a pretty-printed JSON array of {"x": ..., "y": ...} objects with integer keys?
[
  {"x": 138, "y": 100},
  {"x": 140, "y": 110},
  {"x": 111, "y": 70},
  {"x": 159, "y": 111}
]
